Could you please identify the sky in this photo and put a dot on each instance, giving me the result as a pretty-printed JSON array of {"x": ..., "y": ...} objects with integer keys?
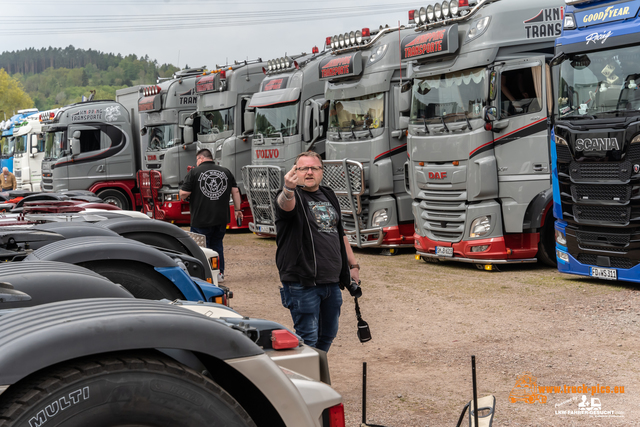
[{"x": 191, "y": 32}]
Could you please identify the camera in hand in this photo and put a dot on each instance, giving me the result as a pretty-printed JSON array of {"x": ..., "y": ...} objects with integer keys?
[{"x": 354, "y": 288}]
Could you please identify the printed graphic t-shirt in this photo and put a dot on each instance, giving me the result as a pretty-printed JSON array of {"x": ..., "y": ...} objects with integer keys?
[
  {"x": 210, "y": 186},
  {"x": 323, "y": 220}
]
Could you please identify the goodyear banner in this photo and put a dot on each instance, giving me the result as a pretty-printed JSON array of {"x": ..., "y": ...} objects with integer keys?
[
  {"x": 608, "y": 13},
  {"x": 430, "y": 43},
  {"x": 341, "y": 66}
]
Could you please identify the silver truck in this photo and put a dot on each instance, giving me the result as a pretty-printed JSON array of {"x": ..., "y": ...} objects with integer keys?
[
  {"x": 478, "y": 145},
  {"x": 93, "y": 146},
  {"x": 287, "y": 120},
  {"x": 219, "y": 123},
  {"x": 366, "y": 144},
  {"x": 164, "y": 108}
]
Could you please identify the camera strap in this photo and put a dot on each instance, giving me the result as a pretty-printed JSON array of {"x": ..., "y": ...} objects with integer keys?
[{"x": 358, "y": 315}]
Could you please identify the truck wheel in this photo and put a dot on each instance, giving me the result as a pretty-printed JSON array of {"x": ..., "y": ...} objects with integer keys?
[
  {"x": 139, "y": 279},
  {"x": 117, "y": 390},
  {"x": 547, "y": 244},
  {"x": 115, "y": 197}
]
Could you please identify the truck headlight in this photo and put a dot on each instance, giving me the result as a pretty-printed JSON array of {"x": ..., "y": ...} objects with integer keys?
[
  {"x": 562, "y": 256},
  {"x": 561, "y": 239},
  {"x": 172, "y": 197},
  {"x": 480, "y": 226},
  {"x": 380, "y": 218}
]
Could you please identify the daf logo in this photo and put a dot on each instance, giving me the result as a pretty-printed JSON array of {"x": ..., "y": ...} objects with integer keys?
[
  {"x": 597, "y": 144},
  {"x": 437, "y": 175}
]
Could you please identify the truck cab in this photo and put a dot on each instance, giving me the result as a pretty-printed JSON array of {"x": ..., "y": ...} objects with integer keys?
[
  {"x": 366, "y": 136},
  {"x": 595, "y": 145},
  {"x": 287, "y": 120},
  {"x": 164, "y": 109},
  {"x": 9, "y": 140},
  {"x": 92, "y": 146},
  {"x": 29, "y": 151},
  {"x": 478, "y": 144}
]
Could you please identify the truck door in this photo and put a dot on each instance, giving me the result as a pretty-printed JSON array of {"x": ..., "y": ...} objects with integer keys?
[
  {"x": 118, "y": 150},
  {"x": 522, "y": 148},
  {"x": 87, "y": 167}
]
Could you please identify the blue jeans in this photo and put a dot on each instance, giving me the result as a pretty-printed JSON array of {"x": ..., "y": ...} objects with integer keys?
[
  {"x": 214, "y": 237},
  {"x": 315, "y": 311}
]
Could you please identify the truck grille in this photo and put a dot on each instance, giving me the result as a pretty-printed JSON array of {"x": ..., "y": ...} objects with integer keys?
[
  {"x": 616, "y": 262},
  {"x": 618, "y": 193},
  {"x": 563, "y": 153},
  {"x": 634, "y": 153},
  {"x": 602, "y": 238},
  {"x": 18, "y": 173},
  {"x": 443, "y": 219},
  {"x": 600, "y": 171},
  {"x": 349, "y": 187},
  {"x": 610, "y": 214},
  {"x": 262, "y": 183}
]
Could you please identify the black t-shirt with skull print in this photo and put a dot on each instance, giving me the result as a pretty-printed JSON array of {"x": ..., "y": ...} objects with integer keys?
[
  {"x": 323, "y": 220},
  {"x": 210, "y": 186}
]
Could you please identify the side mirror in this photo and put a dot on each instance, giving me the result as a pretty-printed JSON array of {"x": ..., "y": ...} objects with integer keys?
[
  {"x": 311, "y": 120},
  {"x": 33, "y": 145},
  {"x": 490, "y": 114},
  {"x": 249, "y": 118},
  {"x": 187, "y": 131},
  {"x": 493, "y": 89},
  {"x": 404, "y": 101},
  {"x": 403, "y": 122},
  {"x": 34, "y": 151},
  {"x": 75, "y": 143}
]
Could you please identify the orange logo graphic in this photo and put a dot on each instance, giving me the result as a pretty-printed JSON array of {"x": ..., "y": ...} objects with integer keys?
[{"x": 526, "y": 390}]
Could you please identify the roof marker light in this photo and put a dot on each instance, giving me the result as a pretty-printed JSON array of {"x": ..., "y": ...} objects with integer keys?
[
  {"x": 366, "y": 32},
  {"x": 412, "y": 14},
  {"x": 328, "y": 41}
]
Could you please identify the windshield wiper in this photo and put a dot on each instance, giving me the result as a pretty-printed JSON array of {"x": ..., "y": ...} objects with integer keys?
[
  {"x": 367, "y": 126},
  {"x": 466, "y": 116},
  {"x": 570, "y": 116},
  {"x": 353, "y": 126},
  {"x": 426, "y": 128},
  {"x": 444, "y": 124}
]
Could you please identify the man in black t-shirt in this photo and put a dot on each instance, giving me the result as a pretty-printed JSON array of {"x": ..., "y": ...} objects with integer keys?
[
  {"x": 314, "y": 256},
  {"x": 209, "y": 186}
]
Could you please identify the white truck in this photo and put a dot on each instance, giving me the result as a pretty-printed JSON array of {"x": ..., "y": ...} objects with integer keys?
[{"x": 29, "y": 151}]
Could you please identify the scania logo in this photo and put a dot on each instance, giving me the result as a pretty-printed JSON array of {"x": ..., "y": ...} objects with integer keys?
[
  {"x": 597, "y": 144},
  {"x": 437, "y": 175}
]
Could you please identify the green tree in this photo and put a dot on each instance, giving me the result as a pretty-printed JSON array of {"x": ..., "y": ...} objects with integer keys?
[{"x": 12, "y": 96}]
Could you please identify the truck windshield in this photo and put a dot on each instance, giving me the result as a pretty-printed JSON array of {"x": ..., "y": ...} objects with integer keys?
[
  {"x": 21, "y": 144},
  {"x": 161, "y": 137},
  {"x": 55, "y": 145},
  {"x": 449, "y": 96},
  {"x": 363, "y": 112},
  {"x": 599, "y": 84},
  {"x": 216, "y": 121},
  {"x": 9, "y": 147},
  {"x": 281, "y": 119}
]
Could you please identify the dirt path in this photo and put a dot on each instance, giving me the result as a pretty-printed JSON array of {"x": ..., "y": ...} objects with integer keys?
[{"x": 428, "y": 319}]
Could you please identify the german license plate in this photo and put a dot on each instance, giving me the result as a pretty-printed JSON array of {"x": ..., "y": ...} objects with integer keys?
[
  {"x": 604, "y": 273},
  {"x": 266, "y": 229},
  {"x": 444, "y": 251}
]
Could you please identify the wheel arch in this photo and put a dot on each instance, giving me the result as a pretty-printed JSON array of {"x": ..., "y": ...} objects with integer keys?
[
  {"x": 538, "y": 208},
  {"x": 118, "y": 186},
  {"x": 107, "y": 325}
]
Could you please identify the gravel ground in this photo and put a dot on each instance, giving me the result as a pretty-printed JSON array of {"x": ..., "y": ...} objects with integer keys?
[{"x": 428, "y": 319}]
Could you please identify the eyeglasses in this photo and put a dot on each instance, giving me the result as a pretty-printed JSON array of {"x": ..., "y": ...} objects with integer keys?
[{"x": 311, "y": 168}]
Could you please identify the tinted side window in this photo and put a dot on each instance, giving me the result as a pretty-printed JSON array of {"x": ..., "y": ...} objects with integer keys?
[{"x": 521, "y": 91}]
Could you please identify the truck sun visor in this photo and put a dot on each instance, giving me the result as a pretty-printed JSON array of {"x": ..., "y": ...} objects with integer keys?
[
  {"x": 274, "y": 97},
  {"x": 341, "y": 66}
]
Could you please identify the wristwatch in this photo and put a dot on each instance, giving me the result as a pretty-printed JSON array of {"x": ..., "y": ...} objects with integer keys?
[{"x": 352, "y": 266}]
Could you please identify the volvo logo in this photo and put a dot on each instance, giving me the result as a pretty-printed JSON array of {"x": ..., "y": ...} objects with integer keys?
[{"x": 597, "y": 144}]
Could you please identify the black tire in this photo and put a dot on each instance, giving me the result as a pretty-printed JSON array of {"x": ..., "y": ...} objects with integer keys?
[
  {"x": 115, "y": 197},
  {"x": 118, "y": 390},
  {"x": 139, "y": 279},
  {"x": 547, "y": 245}
]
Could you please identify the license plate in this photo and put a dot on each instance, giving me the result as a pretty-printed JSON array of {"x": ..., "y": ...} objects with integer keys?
[
  {"x": 604, "y": 273},
  {"x": 444, "y": 251},
  {"x": 266, "y": 229}
]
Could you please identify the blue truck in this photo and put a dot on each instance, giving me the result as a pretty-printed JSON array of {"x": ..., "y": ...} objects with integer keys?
[{"x": 595, "y": 140}]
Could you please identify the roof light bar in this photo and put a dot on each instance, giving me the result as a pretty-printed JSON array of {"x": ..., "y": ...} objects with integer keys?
[
  {"x": 349, "y": 40},
  {"x": 441, "y": 11},
  {"x": 283, "y": 63}
]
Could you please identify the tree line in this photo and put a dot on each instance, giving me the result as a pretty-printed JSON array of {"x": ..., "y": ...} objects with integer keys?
[{"x": 55, "y": 77}]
